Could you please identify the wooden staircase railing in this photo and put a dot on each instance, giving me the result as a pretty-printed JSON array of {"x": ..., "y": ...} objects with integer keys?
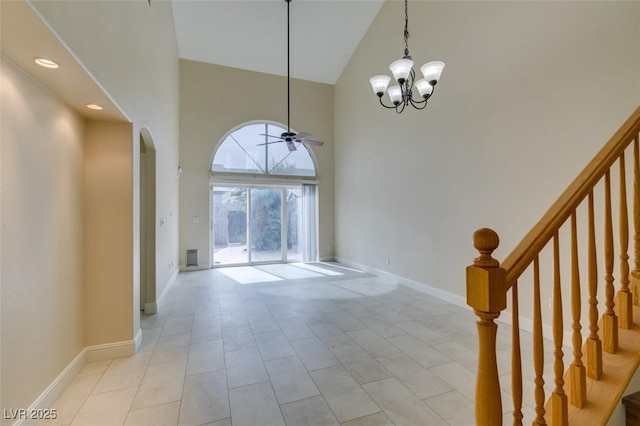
[{"x": 601, "y": 366}]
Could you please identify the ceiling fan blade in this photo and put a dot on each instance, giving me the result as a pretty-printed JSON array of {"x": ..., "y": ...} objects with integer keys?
[
  {"x": 310, "y": 142},
  {"x": 301, "y": 136},
  {"x": 269, "y": 143},
  {"x": 271, "y": 136}
]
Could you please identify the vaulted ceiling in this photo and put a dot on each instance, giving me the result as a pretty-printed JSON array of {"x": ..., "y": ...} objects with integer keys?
[{"x": 252, "y": 35}]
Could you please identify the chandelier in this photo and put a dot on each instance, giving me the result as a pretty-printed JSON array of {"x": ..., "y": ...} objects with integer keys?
[{"x": 401, "y": 95}]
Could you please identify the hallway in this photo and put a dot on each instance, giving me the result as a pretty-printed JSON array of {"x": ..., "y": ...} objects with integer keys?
[{"x": 294, "y": 344}]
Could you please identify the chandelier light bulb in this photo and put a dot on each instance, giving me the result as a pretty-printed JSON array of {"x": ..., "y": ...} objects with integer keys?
[
  {"x": 432, "y": 71},
  {"x": 401, "y": 69},
  {"x": 424, "y": 88},
  {"x": 395, "y": 94},
  {"x": 379, "y": 83}
]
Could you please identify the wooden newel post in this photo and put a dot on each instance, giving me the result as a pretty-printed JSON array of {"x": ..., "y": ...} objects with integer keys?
[{"x": 487, "y": 295}]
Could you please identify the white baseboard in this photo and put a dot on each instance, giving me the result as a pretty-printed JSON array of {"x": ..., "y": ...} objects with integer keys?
[
  {"x": 111, "y": 350},
  {"x": 165, "y": 292},
  {"x": 49, "y": 396},
  {"x": 327, "y": 259},
  {"x": 505, "y": 317},
  {"x": 184, "y": 268},
  {"x": 150, "y": 308},
  {"x": 89, "y": 354},
  {"x": 424, "y": 288},
  {"x": 137, "y": 340}
]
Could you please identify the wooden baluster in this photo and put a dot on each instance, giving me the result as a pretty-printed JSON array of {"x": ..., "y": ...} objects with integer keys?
[
  {"x": 635, "y": 274},
  {"x": 538, "y": 347},
  {"x": 560, "y": 413},
  {"x": 487, "y": 295},
  {"x": 624, "y": 300},
  {"x": 516, "y": 356},
  {"x": 594, "y": 345},
  {"x": 609, "y": 319},
  {"x": 578, "y": 372}
]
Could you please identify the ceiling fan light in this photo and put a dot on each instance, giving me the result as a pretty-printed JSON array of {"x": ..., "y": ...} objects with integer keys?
[
  {"x": 401, "y": 69},
  {"x": 379, "y": 83},
  {"x": 424, "y": 88},
  {"x": 395, "y": 94},
  {"x": 432, "y": 71}
]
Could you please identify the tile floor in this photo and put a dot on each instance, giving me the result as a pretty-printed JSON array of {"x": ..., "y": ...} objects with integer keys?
[{"x": 296, "y": 345}]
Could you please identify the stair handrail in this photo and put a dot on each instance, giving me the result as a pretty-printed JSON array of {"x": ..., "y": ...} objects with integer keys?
[
  {"x": 489, "y": 281},
  {"x": 539, "y": 236}
]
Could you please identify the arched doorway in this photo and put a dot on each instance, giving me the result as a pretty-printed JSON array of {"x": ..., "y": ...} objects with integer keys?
[
  {"x": 147, "y": 223},
  {"x": 263, "y": 198}
]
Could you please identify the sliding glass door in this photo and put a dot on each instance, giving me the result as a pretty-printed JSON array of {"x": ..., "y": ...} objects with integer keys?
[
  {"x": 263, "y": 224},
  {"x": 230, "y": 233},
  {"x": 295, "y": 241}
]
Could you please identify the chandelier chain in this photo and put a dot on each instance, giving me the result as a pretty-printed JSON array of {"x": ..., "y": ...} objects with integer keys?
[{"x": 406, "y": 28}]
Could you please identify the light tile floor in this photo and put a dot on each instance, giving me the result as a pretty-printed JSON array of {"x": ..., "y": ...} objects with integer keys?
[{"x": 289, "y": 345}]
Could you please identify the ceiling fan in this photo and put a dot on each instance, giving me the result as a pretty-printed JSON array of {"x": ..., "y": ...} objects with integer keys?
[{"x": 289, "y": 137}]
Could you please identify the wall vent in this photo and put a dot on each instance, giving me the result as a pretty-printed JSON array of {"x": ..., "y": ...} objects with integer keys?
[{"x": 192, "y": 258}]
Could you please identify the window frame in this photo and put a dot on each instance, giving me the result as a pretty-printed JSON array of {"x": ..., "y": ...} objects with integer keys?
[{"x": 246, "y": 176}]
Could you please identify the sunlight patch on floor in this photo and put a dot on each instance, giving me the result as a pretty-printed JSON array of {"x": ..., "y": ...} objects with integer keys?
[
  {"x": 248, "y": 275},
  {"x": 314, "y": 268},
  {"x": 289, "y": 272},
  {"x": 276, "y": 272}
]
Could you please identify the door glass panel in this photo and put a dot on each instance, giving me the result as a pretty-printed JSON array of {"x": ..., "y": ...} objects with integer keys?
[
  {"x": 294, "y": 224},
  {"x": 230, "y": 225},
  {"x": 266, "y": 224},
  {"x": 250, "y": 226},
  {"x": 310, "y": 224}
]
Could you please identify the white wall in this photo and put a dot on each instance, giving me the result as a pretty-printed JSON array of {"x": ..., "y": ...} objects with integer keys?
[{"x": 531, "y": 90}]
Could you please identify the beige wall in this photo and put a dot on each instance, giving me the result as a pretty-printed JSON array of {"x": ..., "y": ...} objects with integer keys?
[
  {"x": 215, "y": 100},
  {"x": 531, "y": 90},
  {"x": 42, "y": 324},
  {"x": 131, "y": 50},
  {"x": 108, "y": 233},
  {"x": 70, "y": 256}
]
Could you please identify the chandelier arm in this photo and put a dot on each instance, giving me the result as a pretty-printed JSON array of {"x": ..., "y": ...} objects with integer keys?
[
  {"x": 420, "y": 101},
  {"x": 423, "y": 100},
  {"x": 389, "y": 107},
  {"x": 433, "y": 90},
  {"x": 419, "y": 104},
  {"x": 400, "y": 107}
]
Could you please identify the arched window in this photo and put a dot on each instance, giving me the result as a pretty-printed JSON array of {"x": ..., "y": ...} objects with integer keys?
[
  {"x": 250, "y": 149},
  {"x": 263, "y": 198}
]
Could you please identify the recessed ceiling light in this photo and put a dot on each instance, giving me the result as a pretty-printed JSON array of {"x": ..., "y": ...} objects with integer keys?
[
  {"x": 44, "y": 62},
  {"x": 94, "y": 106}
]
